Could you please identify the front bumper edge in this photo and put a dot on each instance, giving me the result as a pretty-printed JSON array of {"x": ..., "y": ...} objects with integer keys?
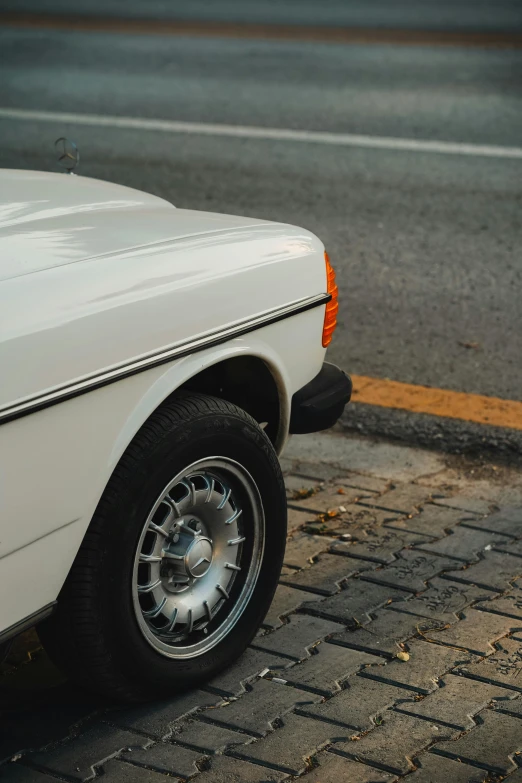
[{"x": 319, "y": 404}]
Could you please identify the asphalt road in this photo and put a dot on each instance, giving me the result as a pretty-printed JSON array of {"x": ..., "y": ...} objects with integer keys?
[
  {"x": 427, "y": 246},
  {"x": 454, "y": 15}
]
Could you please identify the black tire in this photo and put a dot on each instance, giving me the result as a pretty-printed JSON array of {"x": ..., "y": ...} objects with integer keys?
[{"x": 94, "y": 633}]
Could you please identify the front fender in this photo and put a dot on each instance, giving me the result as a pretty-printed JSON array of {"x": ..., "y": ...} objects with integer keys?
[{"x": 55, "y": 463}]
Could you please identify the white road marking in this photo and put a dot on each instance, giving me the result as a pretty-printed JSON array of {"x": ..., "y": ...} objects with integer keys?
[{"x": 274, "y": 134}]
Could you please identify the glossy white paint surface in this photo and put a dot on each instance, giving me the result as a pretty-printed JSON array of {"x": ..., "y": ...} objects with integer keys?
[
  {"x": 120, "y": 274},
  {"x": 48, "y": 220}
]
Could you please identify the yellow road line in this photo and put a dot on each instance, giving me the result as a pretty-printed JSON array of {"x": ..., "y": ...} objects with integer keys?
[
  {"x": 346, "y": 35},
  {"x": 437, "y": 402}
]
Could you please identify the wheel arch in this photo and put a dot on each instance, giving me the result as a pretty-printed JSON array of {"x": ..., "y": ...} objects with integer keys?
[
  {"x": 247, "y": 381},
  {"x": 251, "y": 376}
]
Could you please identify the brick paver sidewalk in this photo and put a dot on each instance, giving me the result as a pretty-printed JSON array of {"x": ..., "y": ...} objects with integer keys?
[{"x": 392, "y": 651}]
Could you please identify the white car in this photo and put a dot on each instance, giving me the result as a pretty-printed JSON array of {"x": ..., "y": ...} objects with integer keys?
[{"x": 153, "y": 362}]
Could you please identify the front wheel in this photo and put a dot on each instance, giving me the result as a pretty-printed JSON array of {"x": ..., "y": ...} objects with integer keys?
[{"x": 182, "y": 557}]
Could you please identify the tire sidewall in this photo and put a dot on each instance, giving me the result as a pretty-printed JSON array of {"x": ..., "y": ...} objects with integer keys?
[{"x": 182, "y": 444}]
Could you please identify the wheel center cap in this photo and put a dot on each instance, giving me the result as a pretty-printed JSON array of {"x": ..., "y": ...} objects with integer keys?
[{"x": 198, "y": 557}]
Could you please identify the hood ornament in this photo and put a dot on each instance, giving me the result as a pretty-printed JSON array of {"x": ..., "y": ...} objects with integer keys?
[{"x": 67, "y": 154}]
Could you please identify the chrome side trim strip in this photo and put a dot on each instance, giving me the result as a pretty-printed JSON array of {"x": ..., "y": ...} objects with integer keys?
[{"x": 164, "y": 356}]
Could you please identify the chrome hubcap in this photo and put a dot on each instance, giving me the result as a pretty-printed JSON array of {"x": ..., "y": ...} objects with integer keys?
[
  {"x": 185, "y": 555},
  {"x": 198, "y": 557}
]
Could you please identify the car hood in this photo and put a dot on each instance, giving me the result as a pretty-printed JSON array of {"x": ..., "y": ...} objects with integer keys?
[
  {"x": 50, "y": 220},
  {"x": 97, "y": 276}
]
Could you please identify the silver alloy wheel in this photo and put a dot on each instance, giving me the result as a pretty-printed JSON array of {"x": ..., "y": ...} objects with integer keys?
[{"x": 198, "y": 557}]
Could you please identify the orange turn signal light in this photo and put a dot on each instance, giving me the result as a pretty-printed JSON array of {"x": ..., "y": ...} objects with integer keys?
[{"x": 330, "y": 315}]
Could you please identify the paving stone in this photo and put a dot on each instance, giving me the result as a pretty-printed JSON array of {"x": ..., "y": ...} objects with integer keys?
[
  {"x": 359, "y": 518},
  {"x": 511, "y": 548},
  {"x": 358, "y": 704},
  {"x": 159, "y": 718},
  {"x": 410, "y": 571},
  {"x": 477, "y": 632},
  {"x": 231, "y": 682},
  {"x": 167, "y": 758},
  {"x": 17, "y": 773},
  {"x": 330, "y": 666},
  {"x": 326, "y": 575},
  {"x": 491, "y": 745},
  {"x": 369, "y": 516},
  {"x": 354, "y": 519},
  {"x": 255, "y": 711},
  {"x": 78, "y": 757},
  {"x": 443, "y": 599},
  {"x": 494, "y": 572},
  {"x": 510, "y": 605},
  {"x": 337, "y": 768},
  {"x": 465, "y": 503},
  {"x": 504, "y": 496},
  {"x": 427, "y": 663},
  {"x": 353, "y": 604},
  {"x": 295, "y": 638},
  {"x": 361, "y": 481},
  {"x": 511, "y": 707},
  {"x": 385, "y": 633},
  {"x": 116, "y": 771},
  {"x": 516, "y": 777},
  {"x": 286, "y": 600},
  {"x": 431, "y": 521},
  {"x": 361, "y": 455},
  {"x": 405, "y": 499},
  {"x": 380, "y": 545},
  {"x": 325, "y": 526},
  {"x": 224, "y": 769},
  {"x": 208, "y": 737},
  {"x": 456, "y": 701},
  {"x": 295, "y": 485},
  {"x": 455, "y": 482},
  {"x": 504, "y": 667},
  {"x": 392, "y": 744},
  {"x": 302, "y": 548},
  {"x": 437, "y": 769},
  {"x": 463, "y": 543},
  {"x": 288, "y": 748},
  {"x": 507, "y": 522},
  {"x": 330, "y": 499},
  {"x": 296, "y": 519},
  {"x": 316, "y": 471},
  {"x": 42, "y": 713}
]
